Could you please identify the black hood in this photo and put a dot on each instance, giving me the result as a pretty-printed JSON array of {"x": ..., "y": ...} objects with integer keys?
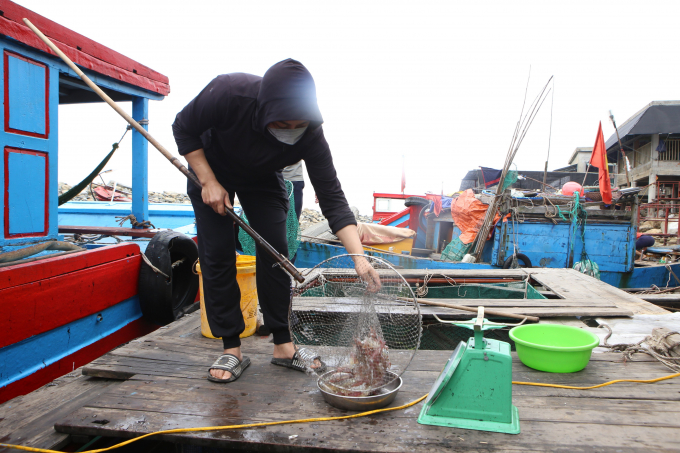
[{"x": 287, "y": 92}]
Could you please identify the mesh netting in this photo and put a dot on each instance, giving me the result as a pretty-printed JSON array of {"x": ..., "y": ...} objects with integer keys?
[
  {"x": 510, "y": 179},
  {"x": 356, "y": 322},
  {"x": 455, "y": 251},
  {"x": 588, "y": 267},
  {"x": 510, "y": 290},
  {"x": 292, "y": 229}
]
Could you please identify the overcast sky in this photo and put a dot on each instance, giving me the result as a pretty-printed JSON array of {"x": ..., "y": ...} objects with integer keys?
[{"x": 440, "y": 83}]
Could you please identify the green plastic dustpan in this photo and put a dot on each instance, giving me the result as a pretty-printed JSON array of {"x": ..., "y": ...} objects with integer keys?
[{"x": 554, "y": 348}]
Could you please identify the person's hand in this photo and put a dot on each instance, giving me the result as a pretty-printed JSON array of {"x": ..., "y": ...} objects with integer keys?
[
  {"x": 367, "y": 274},
  {"x": 215, "y": 196}
]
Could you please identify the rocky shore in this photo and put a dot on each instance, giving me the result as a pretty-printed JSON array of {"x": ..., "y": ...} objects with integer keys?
[
  {"x": 308, "y": 218},
  {"x": 154, "y": 197}
]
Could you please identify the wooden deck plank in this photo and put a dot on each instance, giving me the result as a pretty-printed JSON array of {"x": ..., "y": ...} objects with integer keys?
[
  {"x": 28, "y": 420},
  {"x": 350, "y": 301},
  {"x": 550, "y": 308},
  {"x": 568, "y": 283},
  {"x": 167, "y": 388},
  {"x": 550, "y": 418}
]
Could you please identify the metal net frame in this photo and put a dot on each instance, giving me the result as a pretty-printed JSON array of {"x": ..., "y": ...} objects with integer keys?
[{"x": 359, "y": 334}]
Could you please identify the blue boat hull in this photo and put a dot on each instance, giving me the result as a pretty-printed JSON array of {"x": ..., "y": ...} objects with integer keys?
[{"x": 310, "y": 254}]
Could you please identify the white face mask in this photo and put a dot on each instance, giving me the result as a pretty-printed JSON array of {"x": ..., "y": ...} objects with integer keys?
[{"x": 288, "y": 136}]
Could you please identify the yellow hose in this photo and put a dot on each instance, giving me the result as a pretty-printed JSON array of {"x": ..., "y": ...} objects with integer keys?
[
  {"x": 326, "y": 419},
  {"x": 643, "y": 381}
]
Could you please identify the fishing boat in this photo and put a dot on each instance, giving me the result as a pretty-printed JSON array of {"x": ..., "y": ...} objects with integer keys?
[
  {"x": 531, "y": 232},
  {"x": 64, "y": 304}
]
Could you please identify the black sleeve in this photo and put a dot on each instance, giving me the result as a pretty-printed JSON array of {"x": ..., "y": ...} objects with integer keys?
[
  {"x": 322, "y": 174},
  {"x": 208, "y": 109}
]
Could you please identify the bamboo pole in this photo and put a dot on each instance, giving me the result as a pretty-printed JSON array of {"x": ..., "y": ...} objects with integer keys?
[{"x": 282, "y": 260}]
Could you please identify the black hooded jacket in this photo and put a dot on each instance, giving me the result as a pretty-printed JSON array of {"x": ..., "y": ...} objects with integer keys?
[{"x": 229, "y": 119}]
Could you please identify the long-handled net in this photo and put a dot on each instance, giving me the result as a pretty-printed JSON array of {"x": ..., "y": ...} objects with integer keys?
[{"x": 359, "y": 334}]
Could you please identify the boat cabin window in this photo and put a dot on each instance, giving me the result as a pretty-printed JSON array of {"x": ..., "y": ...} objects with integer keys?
[{"x": 389, "y": 205}]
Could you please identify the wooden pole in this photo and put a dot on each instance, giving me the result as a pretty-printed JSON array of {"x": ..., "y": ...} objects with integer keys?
[
  {"x": 282, "y": 260},
  {"x": 472, "y": 309},
  {"x": 585, "y": 176},
  {"x": 625, "y": 162}
]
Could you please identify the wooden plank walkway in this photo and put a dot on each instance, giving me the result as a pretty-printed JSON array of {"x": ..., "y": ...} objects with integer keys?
[
  {"x": 566, "y": 284},
  {"x": 166, "y": 388},
  {"x": 544, "y": 308}
]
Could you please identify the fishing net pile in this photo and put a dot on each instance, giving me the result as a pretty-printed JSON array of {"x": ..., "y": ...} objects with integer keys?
[
  {"x": 359, "y": 333},
  {"x": 292, "y": 229}
]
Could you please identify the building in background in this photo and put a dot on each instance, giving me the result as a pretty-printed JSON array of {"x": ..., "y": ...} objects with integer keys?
[
  {"x": 578, "y": 162},
  {"x": 651, "y": 143}
]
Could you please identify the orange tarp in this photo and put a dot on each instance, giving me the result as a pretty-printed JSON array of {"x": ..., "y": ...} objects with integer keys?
[{"x": 468, "y": 214}]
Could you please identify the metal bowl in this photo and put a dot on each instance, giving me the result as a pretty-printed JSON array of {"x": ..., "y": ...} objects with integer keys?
[{"x": 361, "y": 403}]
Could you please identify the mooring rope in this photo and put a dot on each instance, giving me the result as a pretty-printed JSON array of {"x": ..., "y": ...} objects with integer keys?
[{"x": 628, "y": 349}]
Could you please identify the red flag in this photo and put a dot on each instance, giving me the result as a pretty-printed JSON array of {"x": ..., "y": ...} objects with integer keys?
[
  {"x": 599, "y": 159},
  {"x": 403, "y": 176}
]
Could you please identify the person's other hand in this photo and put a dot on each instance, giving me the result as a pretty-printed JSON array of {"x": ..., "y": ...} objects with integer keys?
[
  {"x": 215, "y": 196},
  {"x": 368, "y": 274}
]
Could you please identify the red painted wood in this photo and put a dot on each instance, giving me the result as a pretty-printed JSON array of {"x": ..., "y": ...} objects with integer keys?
[
  {"x": 47, "y": 194},
  {"x": 47, "y": 96},
  {"x": 82, "y": 357},
  {"x": 43, "y": 305},
  {"x": 118, "y": 231},
  {"x": 393, "y": 217},
  {"x": 21, "y": 274},
  {"x": 414, "y": 217},
  {"x": 85, "y": 45},
  {"x": 24, "y": 34}
]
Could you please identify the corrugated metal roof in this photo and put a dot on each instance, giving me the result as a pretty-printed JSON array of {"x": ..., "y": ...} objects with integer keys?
[{"x": 658, "y": 117}]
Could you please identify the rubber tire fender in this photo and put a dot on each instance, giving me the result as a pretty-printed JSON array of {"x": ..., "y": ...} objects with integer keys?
[
  {"x": 519, "y": 257},
  {"x": 164, "y": 301},
  {"x": 416, "y": 201}
]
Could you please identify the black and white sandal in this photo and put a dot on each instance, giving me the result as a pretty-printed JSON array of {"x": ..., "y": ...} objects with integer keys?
[
  {"x": 300, "y": 360},
  {"x": 230, "y": 363}
]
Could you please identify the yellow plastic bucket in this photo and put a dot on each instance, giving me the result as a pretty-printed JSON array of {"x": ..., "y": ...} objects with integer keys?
[{"x": 245, "y": 276}]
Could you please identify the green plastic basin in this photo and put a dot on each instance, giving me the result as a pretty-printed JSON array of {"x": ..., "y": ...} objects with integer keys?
[{"x": 553, "y": 347}]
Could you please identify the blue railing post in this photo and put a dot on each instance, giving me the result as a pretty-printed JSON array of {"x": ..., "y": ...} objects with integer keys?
[{"x": 140, "y": 163}]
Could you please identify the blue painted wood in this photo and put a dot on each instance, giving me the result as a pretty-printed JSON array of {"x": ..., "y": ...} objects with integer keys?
[
  {"x": 400, "y": 220},
  {"x": 103, "y": 214},
  {"x": 310, "y": 254},
  {"x": 611, "y": 246},
  {"x": 545, "y": 244},
  {"x": 642, "y": 277},
  {"x": 140, "y": 162},
  {"x": 50, "y": 146},
  {"x": 29, "y": 143},
  {"x": 30, "y": 355},
  {"x": 26, "y": 192},
  {"x": 26, "y": 90}
]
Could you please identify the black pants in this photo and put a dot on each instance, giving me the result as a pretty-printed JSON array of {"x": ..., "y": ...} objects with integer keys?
[{"x": 266, "y": 206}]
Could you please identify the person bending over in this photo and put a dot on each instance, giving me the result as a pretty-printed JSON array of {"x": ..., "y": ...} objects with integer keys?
[{"x": 237, "y": 135}]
